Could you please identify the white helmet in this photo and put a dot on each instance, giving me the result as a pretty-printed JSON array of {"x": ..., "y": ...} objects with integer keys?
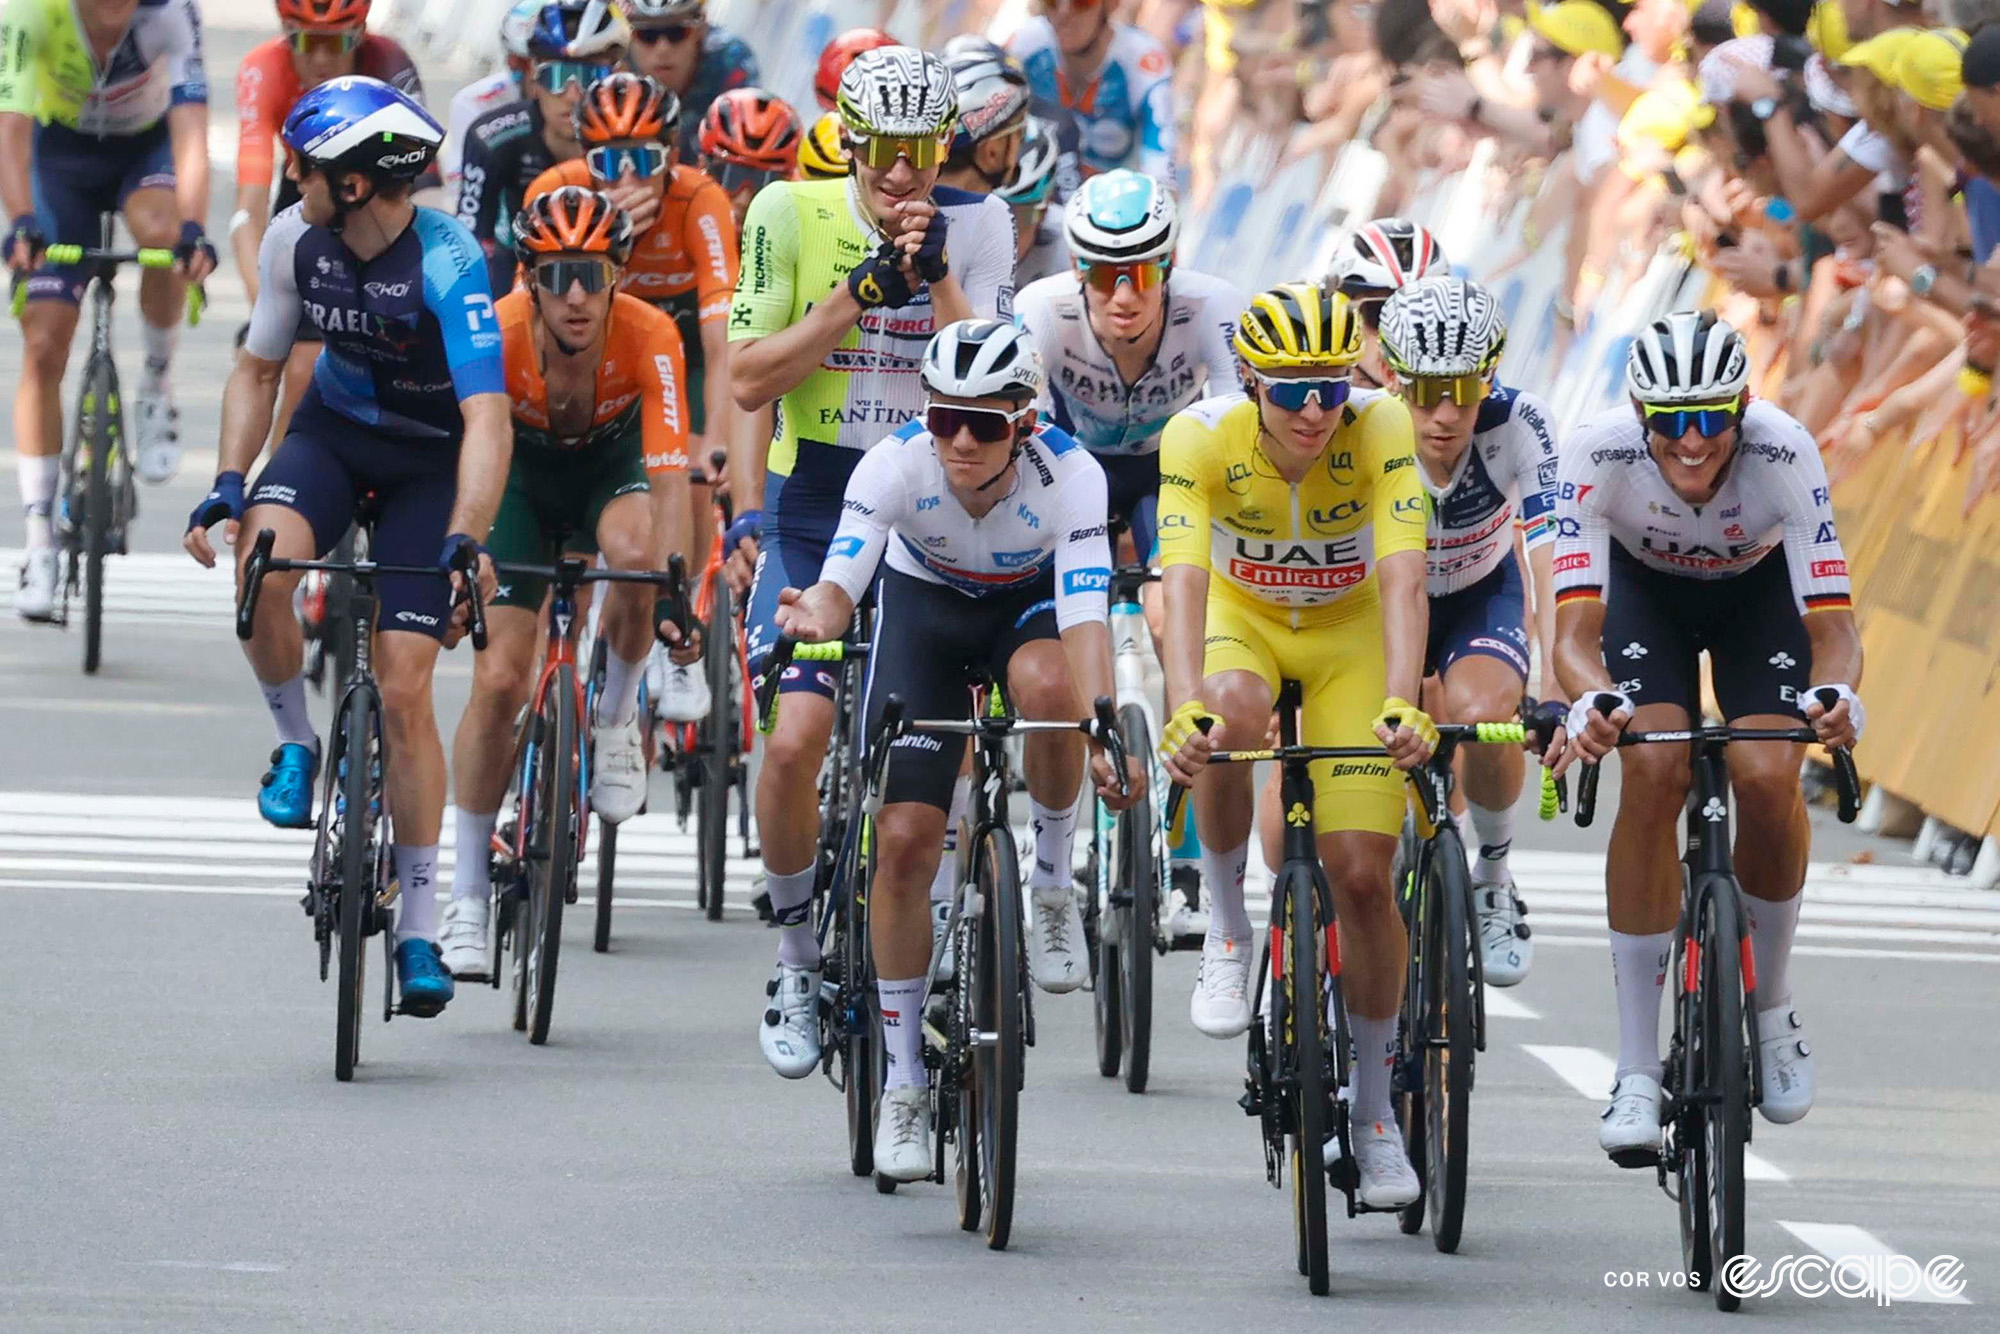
[
  {"x": 992, "y": 95},
  {"x": 1121, "y": 217},
  {"x": 662, "y": 11},
  {"x": 983, "y": 359},
  {"x": 1383, "y": 255},
  {"x": 897, "y": 91},
  {"x": 1035, "y": 174},
  {"x": 514, "y": 28},
  {"x": 576, "y": 30},
  {"x": 1442, "y": 327},
  {"x": 1687, "y": 357}
]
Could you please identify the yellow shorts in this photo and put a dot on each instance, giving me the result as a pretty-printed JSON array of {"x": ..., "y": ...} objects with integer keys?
[{"x": 1343, "y": 680}]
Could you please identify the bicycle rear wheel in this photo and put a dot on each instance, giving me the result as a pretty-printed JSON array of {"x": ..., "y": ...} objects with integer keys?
[
  {"x": 97, "y": 432},
  {"x": 607, "y": 833},
  {"x": 718, "y": 742},
  {"x": 1305, "y": 1042},
  {"x": 357, "y": 750},
  {"x": 997, "y": 1064},
  {"x": 1723, "y": 1066},
  {"x": 1448, "y": 1038},
  {"x": 552, "y": 848}
]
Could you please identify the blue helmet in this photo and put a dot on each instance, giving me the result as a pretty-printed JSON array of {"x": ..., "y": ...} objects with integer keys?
[
  {"x": 355, "y": 123},
  {"x": 578, "y": 30}
]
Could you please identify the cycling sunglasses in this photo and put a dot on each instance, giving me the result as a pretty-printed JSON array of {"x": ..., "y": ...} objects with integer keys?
[
  {"x": 673, "y": 34},
  {"x": 880, "y": 151},
  {"x": 1710, "y": 420},
  {"x": 1292, "y": 395},
  {"x": 986, "y": 425},
  {"x": 555, "y": 76},
  {"x": 338, "y": 41},
  {"x": 736, "y": 177},
  {"x": 610, "y": 162},
  {"x": 1427, "y": 391},
  {"x": 557, "y": 276},
  {"x": 1143, "y": 275}
]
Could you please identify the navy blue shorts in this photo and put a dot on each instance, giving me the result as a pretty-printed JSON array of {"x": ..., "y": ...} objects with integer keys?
[
  {"x": 321, "y": 470},
  {"x": 801, "y": 514},
  {"x": 78, "y": 179},
  {"x": 1132, "y": 486},
  {"x": 1657, "y": 626},
  {"x": 1485, "y": 619}
]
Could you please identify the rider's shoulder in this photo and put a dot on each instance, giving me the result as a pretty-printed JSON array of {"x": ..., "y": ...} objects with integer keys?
[
  {"x": 267, "y": 60},
  {"x": 450, "y": 250},
  {"x": 1035, "y": 36},
  {"x": 727, "y": 50},
  {"x": 1773, "y": 436},
  {"x": 1059, "y": 444},
  {"x": 1611, "y": 438},
  {"x": 1045, "y": 299},
  {"x": 1218, "y": 415},
  {"x": 1135, "y": 48},
  {"x": 1193, "y": 289}
]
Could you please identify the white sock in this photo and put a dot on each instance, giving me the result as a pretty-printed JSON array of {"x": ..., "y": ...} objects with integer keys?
[
  {"x": 416, "y": 878},
  {"x": 941, "y": 883},
  {"x": 37, "y": 476},
  {"x": 902, "y": 1031},
  {"x": 1639, "y": 972},
  {"x": 1495, "y": 834},
  {"x": 618, "y": 704},
  {"x": 287, "y": 702},
  {"x": 1222, "y": 875},
  {"x": 1374, "y": 1058},
  {"x": 1772, "y": 926},
  {"x": 791, "y": 908},
  {"x": 472, "y": 872},
  {"x": 159, "y": 345},
  {"x": 1055, "y": 834}
]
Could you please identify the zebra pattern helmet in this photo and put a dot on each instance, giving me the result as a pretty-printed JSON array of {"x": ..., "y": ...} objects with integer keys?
[
  {"x": 1687, "y": 357},
  {"x": 897, "y": 91},
  {"x": 983, "y": 359},
  {"x": 1442, "y": 327}
]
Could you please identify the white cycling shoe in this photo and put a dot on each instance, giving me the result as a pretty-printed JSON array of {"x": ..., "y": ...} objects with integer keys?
[
  {"x": 1785, "y": 1059},
  {"x": 36, "y": 598},
  {"x": 903, "y": 1133},
  {"x": 1220, "y": 1006},
  {"x": 464, "y": 938},
  {"x": 789, "y": 1031},
  {"x": 1055, "y": 939},
  {"x": 1629, "y": 1130},
  {"x": 680, "y": 694},
  {"x": 159, "y": 432},
  {"x": 1387, "y": 1180},
  {"x": 617, "y": 771},
  {"x": 1503, "y": 936},
  {"x": 947, "y": 961}
]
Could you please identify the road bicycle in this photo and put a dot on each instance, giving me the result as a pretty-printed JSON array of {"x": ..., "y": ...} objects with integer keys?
[
  {"x": 1711, "y": 1078},
  {"x": 350, "y": 886}
]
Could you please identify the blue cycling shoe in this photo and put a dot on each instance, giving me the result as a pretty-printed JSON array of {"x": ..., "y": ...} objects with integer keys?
[
  {"x": 286, "y": 798},
  {"x": 421, "y": 977}
]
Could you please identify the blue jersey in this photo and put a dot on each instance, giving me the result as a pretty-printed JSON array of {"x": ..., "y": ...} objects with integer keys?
[
  {"x": 407, "y": 335},
  {"x": 1123, "y": 117}
]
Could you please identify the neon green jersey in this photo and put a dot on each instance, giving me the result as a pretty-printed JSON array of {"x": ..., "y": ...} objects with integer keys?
[{"x": 47, "y": 70}]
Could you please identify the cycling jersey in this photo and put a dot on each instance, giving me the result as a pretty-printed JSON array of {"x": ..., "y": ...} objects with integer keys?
[
  {"x": 1773, "y": 493},
  {"x": 1048, "y": 255},
  {"x": 504, "y": 152},
  {"x": 267, "y": 86},
  {"x": 638, "y": 385},
  {"x": 468, "y": 104},
  {"x": 687, "y": 258},
  {"x": 1509, "y": 467},
  {"x": 47, "y": 70},
  {"x": 726, "y": 62},
  {"x": 408, "y": 334},
  {"x": 1124, "y": 115}
]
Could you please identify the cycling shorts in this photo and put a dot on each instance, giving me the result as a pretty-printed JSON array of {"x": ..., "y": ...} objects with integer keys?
[
  {"x": 931, "y": 642},
  {"x": 1657, "y": 625},
  {"x": 552, "y": 505},
  {"x": 801, "y": 513},
  {"x": 1344, "y": 682},
  {"x": 320, "y": 471},
  {"x": 1132, "y": 483},
  {"x": 1483, "y": 619},
  {"x": 78, "y": 179}
]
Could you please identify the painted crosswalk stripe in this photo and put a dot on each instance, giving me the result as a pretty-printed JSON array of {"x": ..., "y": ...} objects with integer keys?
[
  {"x": 1844, "y": 1241},
  {"x": 1592, "y": 1073}
]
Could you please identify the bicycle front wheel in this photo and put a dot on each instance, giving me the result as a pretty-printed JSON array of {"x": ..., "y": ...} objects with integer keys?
[
  {"x": 998, "y": 1056},
  {"x": 718, "y": 739},
  {"x": 860, "y": 1020},
  {"x": 357, "y": 752},
  {"x": 1447, "y": 1036},
  {"x": 1139, "y": 883},
  {"x": 1722, "y": 1064},
  {"x": 552, "y": 848},
  {"x": 98, "y": 433},
  {"x": 1305, "y": 1044},
  {"x": 607, "y": 863}
]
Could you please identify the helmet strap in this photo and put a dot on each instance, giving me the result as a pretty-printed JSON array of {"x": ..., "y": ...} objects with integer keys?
[{"x": 1022, "y": 430}]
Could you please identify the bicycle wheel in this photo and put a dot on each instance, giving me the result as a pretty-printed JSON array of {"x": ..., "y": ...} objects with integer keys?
[
  {"x": 1139, "y": 876},
  {"x": 717, "y": 748},
  {"x": 1723, "y": 1064},
  {"x": 1413, "y": 1024},
  {"x": 997, "y": 1064},
  {"x": 1106, "y": 969},
  {"x": 861, "y": 1054},
  {"x": 552, "y": 848},
  {"x": 1305, "y": 1042},
  {"x": 339, "y": 628},
  {"x": 357, "y": 749},
  {"x": 1447, "y": 1050},
  {"x": 607, "y": 833},
  {"x": 97, "y": 433},
  {"x": 1683, "y": 1147}
]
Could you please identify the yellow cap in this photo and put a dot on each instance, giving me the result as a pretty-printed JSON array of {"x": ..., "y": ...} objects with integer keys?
[
  {"x": 1576, "y": 26},
  {"x": 1665, "y": 115},
  {"x": 1744, "y": 19},
  {"x": 1827, "y": 29},
  {"x": 1879, "y": 54},
  {"x": 1928, "y": 67}
]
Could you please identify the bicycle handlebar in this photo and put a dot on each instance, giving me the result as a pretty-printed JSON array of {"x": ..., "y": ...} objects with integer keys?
[
  {"x": 786, "y": 652},
  {"x": 146, "y": 257},
  {"x": 261, "y": 562}
]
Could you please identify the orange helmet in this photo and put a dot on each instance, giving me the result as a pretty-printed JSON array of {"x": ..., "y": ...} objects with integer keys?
[
  {"x": 751, "y": 128},
  {"x": 330, "y": 15},
  {"x": 834, "y": 57},
  {"x": 572, "y": 221},
  {"x": 626, "y": 106}
]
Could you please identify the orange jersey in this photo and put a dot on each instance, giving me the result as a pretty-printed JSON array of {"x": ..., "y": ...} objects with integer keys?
[
  {"x": 267, "y": 84},
  {"x": 641, "y": 374},
  {"x": 691, "y": 246}
]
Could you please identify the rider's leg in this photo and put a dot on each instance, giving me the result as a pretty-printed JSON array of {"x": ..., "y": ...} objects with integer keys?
[
  {"x": 404, "y": 663},
  {"x": 1040, "y": 686},
  {"x": 1373, "y": 944},
  {"x": 625, "y": 539},
  {"x": 483, "y": 746},
  {"x": 1642, "y": 877},
  {"x": 153, "y": 214},
  {"x": 1223, "y": 797},
  {"x": 908, "y": 838},
  {"x": 1480, "y": 688},
  {"x": 1773, "y": 839},
  {"x": 276, "y": 647}
]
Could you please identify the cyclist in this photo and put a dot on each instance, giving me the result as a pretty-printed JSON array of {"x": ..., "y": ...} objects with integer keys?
[
  {"x": 844, "y": 282},
  {"x": 600, "y": 418},
  {"x": 994, "y": 537},
  {"x": 697, "y": 61},
  {"x": 992, "y": 117},
  {"x": 572, "y": 44},
  {"x": 1038, "y": 236},
  {"x": 1485, "y": 453},
  {"x": 822, "y": 155},
  {"x": 1110, "y": 81},
  {"x": 835, "y": 57},
  {"x": 683, "y": 262},
  {"x": 1377, "y": 259},
  {"x": 1699, "y": 520},
  {"x": 1292, "y": 539},
  {"x": 408, "y": 402},
  {"x": 503, "y": 86},
  {"x": 76, "y": 143},
  {"x": 749, "y": 139},
  {"x": 323, "y": 39}
]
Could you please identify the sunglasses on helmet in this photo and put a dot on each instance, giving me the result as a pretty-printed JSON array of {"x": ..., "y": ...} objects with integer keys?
[
  {"x": 1709, "y": 420},
  {"x": 1292, "y": 395},
  {"x": 610, "y": 162},
  {"x": 556, "y": 76},
  {"x": 986, "y": 425},
  {"x": 337, "y": 41},
  {"x": 1427, "y": 391},
  {"x": 1144, "y": 275},
  {"x": 557, "y": 276},
  {"x": 880, "y": 151}
]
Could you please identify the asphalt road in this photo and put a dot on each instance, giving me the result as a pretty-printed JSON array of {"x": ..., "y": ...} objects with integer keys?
[{"x": 174, "y": 1153}]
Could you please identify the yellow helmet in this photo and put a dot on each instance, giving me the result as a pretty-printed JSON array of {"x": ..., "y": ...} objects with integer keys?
[
  {"x": 1298, "y": 324},
  {"x": 822, "y": 157}
]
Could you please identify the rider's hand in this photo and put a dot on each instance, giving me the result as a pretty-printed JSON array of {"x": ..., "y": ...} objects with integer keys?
[
  {"x": 224, "y": 505},
  {"x": 1841, "y": 724},
  {"x": 1590, "y": 733},
  {"x": 1106, "y": 782},
  {"x": 460, "y": 551},
  {"x": 807, "y": 614},
  {"x": 923, "y": 238},
  {"x": 1406, "y": 732},
  {"x": 1184, "y": 746},
  {"x": 740, "y": 542},
  {"x": 740, "y": 568},
  {"x": 639, "y": 200},
  {"x": 879, "y": 281},
  {"x": 194, "y": 253},
  {"x": 25, "y": 243},
  {"x": 682, "y": 650},
  {"x": 1545, "y": 719}
]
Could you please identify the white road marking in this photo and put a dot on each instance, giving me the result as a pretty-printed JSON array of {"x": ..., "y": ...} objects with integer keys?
[
  {"x": 1501, "y": 1004},
  {"x": 1844, "y": 1241},
  {"x": 1592, "y": 1073}
]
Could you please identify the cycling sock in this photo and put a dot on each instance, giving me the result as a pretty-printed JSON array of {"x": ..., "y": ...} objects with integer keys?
[
  {"x": 1495, "y": 832},
  {"x": 37, "y": 476},
  {"x": 1374, "y": 1057},
  {"x": 941, "y": 883},
  {"x": 1055, "y": 834},
  {"x": 472, "y": 871},
  {"x": 1639, "y": 972},
  {"x": 416, "y": 879},
  {"x": 159, "y": 345},
  {"x": 1772, "y": 926},
  {"x": 902, "y": 1031},
  {"x": 618, "y": 703},
  {"x": 791, "y": 908},
  {"x": 287, "y": 703},
  {"x": 1222, "y": 874}
]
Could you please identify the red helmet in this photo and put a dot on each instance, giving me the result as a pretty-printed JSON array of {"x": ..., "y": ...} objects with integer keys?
[
  {"x": 751, "y": 128},
  {"x": 833, "y": 60},
  {"x": 328, "y": 15}
]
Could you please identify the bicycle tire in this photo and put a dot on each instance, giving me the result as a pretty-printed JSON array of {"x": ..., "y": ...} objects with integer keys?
[
  {"x": 607, "y": 862},
  {"x": 1107, "y": 1007},
  {"x": 1725, "y": 1077},
  {"x": 1412, "y": 1024},
  {"x": 98, "y": 411},
  {"x": 1305, "y": 1037},
  {"x": 1448, "y": 1048},
  {"x": 998, "y": 1067},
  {"x": 1140, "y": 920},
  {"x": 861, "y": 1060},
  {"x": 716, "y": 736},
  {"x": 357, "y": 744},
  {"x": 339, "y": 626},
  {"x": 552, "y": 851}
]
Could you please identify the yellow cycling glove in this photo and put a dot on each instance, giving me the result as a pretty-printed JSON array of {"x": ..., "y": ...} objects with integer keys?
[
  {"x": 1183, "y": 724},
  {"x": 1401, "y": 713}
]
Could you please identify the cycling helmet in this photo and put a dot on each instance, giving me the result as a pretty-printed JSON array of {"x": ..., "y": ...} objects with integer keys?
[
  {"x": 1687, "y": 357},
  {"x": 515, "y": 30},
  {"x": 835, "y": 57},
  {"x": 646, "y": 13},
  {"x": 1295, "y": 325},
  {"x": 1442, "y": 327},
  {"x": 1385, "y": 254},
  {"x": 822, "y": 156},
  {"x": 572, "y": 221},
  {"x": 1121, "y": 217},
  {"x": 1034, "y": 178},
  {"x": 623, "y": 107},
  {"x": 577, "y": 30},
  {"x": 992, "y": 96},
  {"x": 983, "y": 359},
  {"x": 897, "y": 91},
  {"x": 750, "y": 127},
  {"x": 323, "y": 15},
  {"x": 355, "y": 123},
  {"x": 971, "y": 43}
]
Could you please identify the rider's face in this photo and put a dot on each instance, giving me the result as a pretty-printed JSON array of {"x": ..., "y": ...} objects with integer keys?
[
  {"x": 1126, "y": 312},
  {"x": 575, "y": 316},
  {"x": 1692, "y": 463},
  {"x": 1303, "y": 434},
  {"x": 321, "y": 61},
  {"x": 1077, "y": 22},
  {"x": 315, "y": 194},
  {"x": 883, "y": 188},
  {"x": 1444, "y": 429},
  {"x": 671, "y": 62},
  {"x": 970, "y": 463}
]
